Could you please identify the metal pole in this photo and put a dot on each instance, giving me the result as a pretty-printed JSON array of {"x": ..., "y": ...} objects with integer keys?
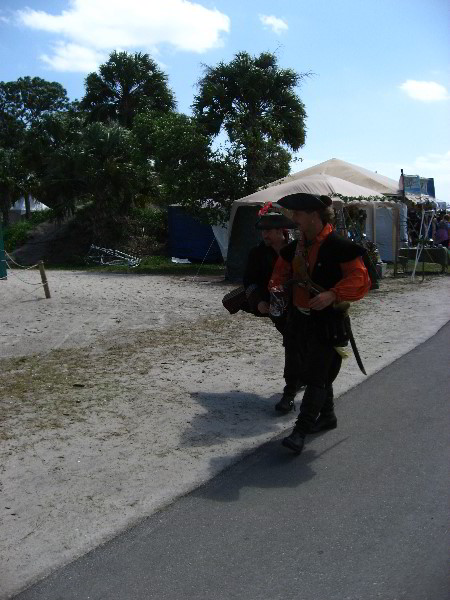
[{"x": 396, "y": 225}]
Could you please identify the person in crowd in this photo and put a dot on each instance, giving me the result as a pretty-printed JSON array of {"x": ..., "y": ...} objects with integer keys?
[
  {"x": 324, "y": 270},
  {"x": 442, "y": 231},
  {"x": 274, "y": 228}
]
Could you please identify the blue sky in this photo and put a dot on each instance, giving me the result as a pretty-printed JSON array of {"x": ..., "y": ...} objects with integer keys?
[{"x": 379, "y": 96}]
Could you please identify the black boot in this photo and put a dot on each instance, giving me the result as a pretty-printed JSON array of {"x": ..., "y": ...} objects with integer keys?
[
  {"x": 327, "y": 419},
  {"x": 325, "y": 422},
  {"x": 286, "y": 404},
  {"x": 312, "y": 403},
  {"x": 295, "y": 441}
]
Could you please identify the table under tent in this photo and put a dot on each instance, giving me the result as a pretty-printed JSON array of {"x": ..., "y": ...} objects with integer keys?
[{"x": 420, "y": 245}]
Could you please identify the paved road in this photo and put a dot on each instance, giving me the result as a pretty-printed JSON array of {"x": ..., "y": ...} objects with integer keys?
[{"x": 360, "y": 515}]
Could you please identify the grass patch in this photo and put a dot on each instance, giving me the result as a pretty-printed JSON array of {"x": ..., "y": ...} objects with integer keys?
[{"x": 152, "y": 265}]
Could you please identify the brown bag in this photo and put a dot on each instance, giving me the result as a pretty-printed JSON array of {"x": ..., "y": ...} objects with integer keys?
[{"x": 236, "y": 300}]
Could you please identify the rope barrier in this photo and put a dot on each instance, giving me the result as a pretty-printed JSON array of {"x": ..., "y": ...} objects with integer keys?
[
  {"x": 11, "y": 272},
  {"x": 17, "y": 264},
  {"x": 204, "y": 258},
  {"x": 40, "y": 265}
]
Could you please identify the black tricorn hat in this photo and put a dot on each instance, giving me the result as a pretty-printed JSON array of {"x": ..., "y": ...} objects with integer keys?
[
  {"x": 274, "y": 220},
  {"x": 303, "y": 201}
]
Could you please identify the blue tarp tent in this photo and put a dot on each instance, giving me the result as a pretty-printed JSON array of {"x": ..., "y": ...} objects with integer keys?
[{"x": 190, "y": 238}]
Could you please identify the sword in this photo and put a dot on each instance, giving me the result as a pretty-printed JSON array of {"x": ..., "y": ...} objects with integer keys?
[
  {"x": 355, "y": 351},
  {"x": 315, "y": 289}
]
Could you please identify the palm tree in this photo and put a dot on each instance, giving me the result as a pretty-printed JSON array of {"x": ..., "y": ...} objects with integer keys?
[
  {"x": 254, "y": 101},
  {"x": 125, "y": 85}
]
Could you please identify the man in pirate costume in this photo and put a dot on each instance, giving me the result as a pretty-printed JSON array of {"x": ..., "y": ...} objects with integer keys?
[
  {"x": 324, "y": 272},
  {"x": 261, "y": 261}
]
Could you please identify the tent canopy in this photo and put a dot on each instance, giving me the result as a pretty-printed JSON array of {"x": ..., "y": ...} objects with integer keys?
[
  {"x": 241, "y": 228},
  {"x": 35, "y": 205},
  {"x": 313, "y": 184},
  {"x": 347, "y": 172}
]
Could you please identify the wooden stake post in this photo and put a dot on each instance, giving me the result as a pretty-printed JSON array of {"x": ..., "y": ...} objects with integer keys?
[{"x": 44, "y": 279}]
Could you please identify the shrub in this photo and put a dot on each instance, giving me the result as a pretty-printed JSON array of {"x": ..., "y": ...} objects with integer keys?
[{"x": 17, "y": 234}]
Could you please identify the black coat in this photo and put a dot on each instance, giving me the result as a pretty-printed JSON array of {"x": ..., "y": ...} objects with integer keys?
[
  {"x": 260, "y": 263},
  {"x": 327, "y": 271}
]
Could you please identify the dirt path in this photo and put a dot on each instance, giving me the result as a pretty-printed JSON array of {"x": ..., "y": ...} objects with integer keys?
[{"x": 122, "y": 392}]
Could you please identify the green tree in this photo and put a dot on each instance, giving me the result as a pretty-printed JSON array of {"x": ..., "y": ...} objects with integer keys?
[
  {"x": 124, "y": 86},
  {"x": 254, "y": 101},
  {"x": 92, "y": 164},
  {"x": 54, "y": 148},
  {"x": 113, "y": 180},
  {"x": 13, "y": 180},
  {"x": 188, "y": 170},
  {"x": 27, "y": 100},
  {"x": 24, "y": 104}
]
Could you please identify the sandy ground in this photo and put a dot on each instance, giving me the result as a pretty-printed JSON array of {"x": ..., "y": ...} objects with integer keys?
[{"x": 122, "y": 392}]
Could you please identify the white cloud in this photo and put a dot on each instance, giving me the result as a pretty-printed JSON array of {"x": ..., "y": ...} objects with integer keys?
[
  {"x": 71, "y": 57},
  {"x": 277, "y": 25},
  {"x": 439, "y": 164},
  {"x": 4, "y": 19},
  {"x": 93, "y": 27},
  {"x": 426, "y": 91},
  {"x": 436, "y": 165}
]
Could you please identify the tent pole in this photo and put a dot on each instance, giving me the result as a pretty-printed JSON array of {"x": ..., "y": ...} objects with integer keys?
[
  {"x": 397, "y": 225},
  {"x": 374, "y": 223},
  {"x": 396, "y": 232}
]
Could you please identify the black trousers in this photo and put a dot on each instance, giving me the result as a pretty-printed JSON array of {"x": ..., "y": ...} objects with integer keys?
[
  {"x": 319, "y": 365},
  {"x": 292, "y": 360}
]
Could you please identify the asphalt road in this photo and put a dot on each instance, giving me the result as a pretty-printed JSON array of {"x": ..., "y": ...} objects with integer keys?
[{"x": 360, "y": 515}]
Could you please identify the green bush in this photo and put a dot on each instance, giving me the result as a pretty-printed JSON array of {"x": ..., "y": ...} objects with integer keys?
[
  {"x": 16, "y": 235},
  {"x": 145, "y": 231},
  {"x": 153, "y": 220}
]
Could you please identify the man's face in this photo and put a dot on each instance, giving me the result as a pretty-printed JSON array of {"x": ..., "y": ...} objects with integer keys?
[
  {"x": 308, "y": 222},
  {"x": 272, "y": 236},
  {"x": 300, "y": 218}
]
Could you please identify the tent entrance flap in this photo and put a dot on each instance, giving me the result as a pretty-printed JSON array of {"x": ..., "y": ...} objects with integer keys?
[{"x": 244, "y": 236}]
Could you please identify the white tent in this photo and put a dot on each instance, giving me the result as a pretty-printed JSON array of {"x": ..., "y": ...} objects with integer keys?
[
  {"x": 18, "y": 209},
  {"x": 347, "y": 172},
  {"x": 242, "y": 233},
  {"x": 313, "y": 184}
]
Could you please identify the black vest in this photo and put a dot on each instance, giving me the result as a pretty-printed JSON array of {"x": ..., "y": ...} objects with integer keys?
[{"x": 327, "y": 271}]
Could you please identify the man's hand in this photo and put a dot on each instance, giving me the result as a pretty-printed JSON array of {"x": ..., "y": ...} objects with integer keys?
[
  {"x": 322, "y": 300},
  {"x": 263, "y": 308}
]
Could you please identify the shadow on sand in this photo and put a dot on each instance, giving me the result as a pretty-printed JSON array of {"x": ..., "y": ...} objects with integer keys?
[{"x": 242, "y": 416}]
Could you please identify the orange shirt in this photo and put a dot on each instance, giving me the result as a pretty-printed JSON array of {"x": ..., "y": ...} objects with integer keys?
[{"x": 354, "y": 285}]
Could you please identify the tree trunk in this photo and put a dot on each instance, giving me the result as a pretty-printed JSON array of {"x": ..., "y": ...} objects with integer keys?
[
  {"x": 5, "y": 203},
  {"x": 27, "y": 206}
]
